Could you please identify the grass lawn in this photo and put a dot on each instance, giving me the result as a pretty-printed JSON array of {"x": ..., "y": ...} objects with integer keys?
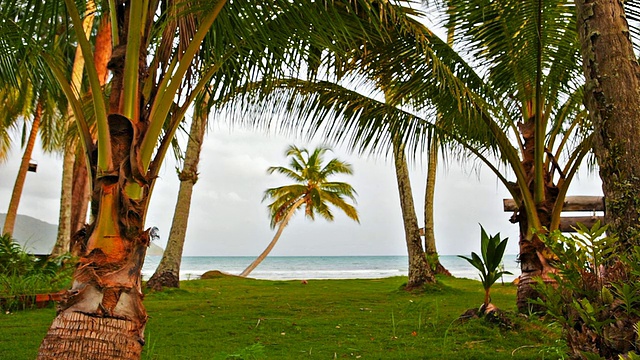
[{"x": 235, "y": 318}]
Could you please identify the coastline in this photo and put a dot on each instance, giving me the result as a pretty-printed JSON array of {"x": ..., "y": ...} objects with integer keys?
[{"x": 319, "y": 267}]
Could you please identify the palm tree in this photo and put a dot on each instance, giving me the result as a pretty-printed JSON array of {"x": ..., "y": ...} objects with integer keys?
[
  {"x": 312, "y": 191},
  {"x": 36, "y": 107},
  {"x": 420, "y": 272},
  {"x": 614, "y": 107},
  {"x": 167, "y": 273},
  {"x": 165, "y": 54},
  {"x": 430, "y": 248}
]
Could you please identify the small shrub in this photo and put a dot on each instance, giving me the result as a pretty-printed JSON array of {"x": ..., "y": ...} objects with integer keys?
[{"x": 23, "y": 275}]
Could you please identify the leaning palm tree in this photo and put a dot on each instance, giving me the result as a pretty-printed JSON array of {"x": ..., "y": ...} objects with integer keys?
[{"x": 312, "y": 189}]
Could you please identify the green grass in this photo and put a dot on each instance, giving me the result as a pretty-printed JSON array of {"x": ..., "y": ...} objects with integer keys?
[{"x": 234, "y": 318}]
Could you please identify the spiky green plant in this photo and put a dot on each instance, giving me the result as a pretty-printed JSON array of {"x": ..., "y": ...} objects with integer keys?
[{"x": 492, "y": 250}]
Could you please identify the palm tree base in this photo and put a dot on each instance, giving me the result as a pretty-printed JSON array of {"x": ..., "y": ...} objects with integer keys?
[
  {"x": 440, "y": 269},
  {"x": 74, "y": 335},
  {"x": 162, "y": 280},
  {"x": 527, "y": 292}
]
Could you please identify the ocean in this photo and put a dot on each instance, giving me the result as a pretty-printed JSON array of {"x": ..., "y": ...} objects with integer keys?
[{"x": 319, "y": 267}]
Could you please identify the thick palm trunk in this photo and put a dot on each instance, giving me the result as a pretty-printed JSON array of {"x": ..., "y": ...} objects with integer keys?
[
  {"x": 12, "y": 212},
  {"x": 419, "y": 270},
  {"x": 273, "y": 242},
  {"x": 533, "y": 254},
  {"x": 429, "y": 233},
  {"x": 65, "y": 227},
  {"x": 613, "y": 78},
  {"x": 102, "y": 316},
  {"x": 168, "y": 272}
]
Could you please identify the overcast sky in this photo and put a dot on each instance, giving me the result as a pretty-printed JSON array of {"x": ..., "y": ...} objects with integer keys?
[{"x": 229, "y": 219}]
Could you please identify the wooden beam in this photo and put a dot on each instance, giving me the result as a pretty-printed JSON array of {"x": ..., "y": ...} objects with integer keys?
[
  {"x": 568, "y": 223},
  {"x": 571, "y": 203}
]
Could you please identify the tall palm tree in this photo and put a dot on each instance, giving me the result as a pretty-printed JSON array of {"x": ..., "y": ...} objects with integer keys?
[
  {"x": 34, "y": 107},
  {"x": 167, "y": 273},
  {"x": 612, "y": 76},
  {"x": 165, "y": 53},
  {"x": 312, "y": 190},
  {"x": 420, "y": 272},
  {"x": 430, "y": 247}
]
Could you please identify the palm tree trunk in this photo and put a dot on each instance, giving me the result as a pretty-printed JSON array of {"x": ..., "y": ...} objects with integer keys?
[
  {"x": 419, "y": 270},
  {"x": 266, "y": 251},
  {"x": 102, "y": 316},
  {"x": 63, "y": 240},
  {"x": 12, "y": 212},
  {"x": 168, "y": 272},
  {"x": 533, "y": 253},
  {"x": 81, "y": 194},
  {"x": 612, "y": 76},
  {"x": 429, "y": 234}
]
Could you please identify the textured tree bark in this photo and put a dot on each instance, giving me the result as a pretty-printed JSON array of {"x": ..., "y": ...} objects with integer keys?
[
  {"x": 533, "y": 253},
  {"x": 81, "y": 193},
  {"x": 168, "y": 272},
  {"x": 12, "y": 212},
  {"x": 612, "y": 95},
  {"x": 419, "y": 270},
  {"x": 429, "y": 234}
]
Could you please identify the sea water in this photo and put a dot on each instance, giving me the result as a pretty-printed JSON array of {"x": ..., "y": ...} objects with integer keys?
[{"x": 320, "y": 267}]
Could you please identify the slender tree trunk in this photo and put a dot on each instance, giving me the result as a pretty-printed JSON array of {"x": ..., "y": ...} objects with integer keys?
[
  {"x": 429, "y": 234},
  {"x": 168, "y": 272},
  {"x": 419, "y": 270},
  {"x": 81, "y": 194},
  {"x": 266, "y": 251},
  {"x": 63, "y": 241},
  {"x": 612, "y": 97},
  {"x": 12, "y": 212},
  {"x": 65, "y": 228}
]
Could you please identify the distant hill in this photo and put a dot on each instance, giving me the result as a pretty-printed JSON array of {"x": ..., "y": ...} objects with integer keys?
[{"x": 38, "y": 237}]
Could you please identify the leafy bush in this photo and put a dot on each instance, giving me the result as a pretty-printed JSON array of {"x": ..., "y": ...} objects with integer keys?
[
  {"x": 23, "y": 275},
  {"x": 597, "y": 295}
]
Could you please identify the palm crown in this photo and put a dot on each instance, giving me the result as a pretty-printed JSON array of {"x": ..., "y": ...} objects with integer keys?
[{"x": 311, "y": 175}]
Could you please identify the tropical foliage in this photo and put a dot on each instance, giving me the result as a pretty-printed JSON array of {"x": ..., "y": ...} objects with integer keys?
[
  {"x": 312, "y": 191},
  {"x": 22, "y": 275},
  {"x": 597, "y": 297},
  {"x": 492, "y": 250}
]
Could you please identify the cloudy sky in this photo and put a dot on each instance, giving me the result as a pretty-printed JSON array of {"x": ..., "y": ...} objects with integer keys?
[{"x": 229, "y": 219}]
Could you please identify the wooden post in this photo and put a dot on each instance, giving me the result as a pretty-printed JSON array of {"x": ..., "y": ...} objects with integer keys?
[{"x": 571, "y": 203}]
